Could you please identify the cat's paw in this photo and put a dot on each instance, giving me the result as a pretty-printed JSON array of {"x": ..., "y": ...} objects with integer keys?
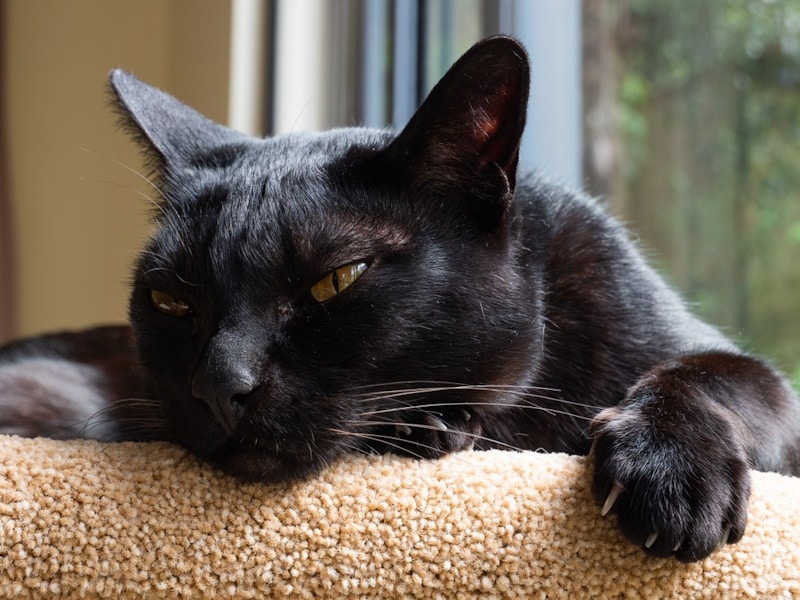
[
  {"x": 678, "y": 487},
  {"x": 433, "y": 434}
]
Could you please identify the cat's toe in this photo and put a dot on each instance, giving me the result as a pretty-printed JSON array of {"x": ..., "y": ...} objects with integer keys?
[
  {"x": 402, "y": 429},
  {"x": 431, "y": 435},
  {"x": 436, "y": 423},
  {"x": 671, "y": 497},
  {"x": 455, "y": 430}
]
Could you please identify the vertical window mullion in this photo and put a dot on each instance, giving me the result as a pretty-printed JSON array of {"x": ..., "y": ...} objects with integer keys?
[
  {"x": 374, "y": 64},
  {"x": 405, "y": 78},
  {"x": 551, "y": 31}
]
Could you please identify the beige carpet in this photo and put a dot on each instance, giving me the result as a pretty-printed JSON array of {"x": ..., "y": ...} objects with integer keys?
[{"x": 83, "y": 519}]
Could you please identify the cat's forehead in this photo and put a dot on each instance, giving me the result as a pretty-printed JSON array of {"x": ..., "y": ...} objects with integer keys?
[
  {"x": 306, "y": 152},
  {"x": 299, "y": 177},
  {"x": 295, "y": 173},
  {"x": 280, "y": 200}
]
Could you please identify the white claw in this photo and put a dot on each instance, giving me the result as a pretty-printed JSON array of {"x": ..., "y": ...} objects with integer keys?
[
  {"x": 616, "y": 490},
  {"x": 725, "y": 535},
  {"x": 436, "y": 422},
  {"x": 404, "y": 429},
  {"x": 678, "y": 545},
  {"x": 651, "y": 540},
  {"x": 466, "y": 414}
]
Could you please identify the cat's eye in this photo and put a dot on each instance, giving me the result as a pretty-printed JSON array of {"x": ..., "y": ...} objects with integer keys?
[
  {"x": 337, "y": 281},
  {"x": 169, "y": 305}
]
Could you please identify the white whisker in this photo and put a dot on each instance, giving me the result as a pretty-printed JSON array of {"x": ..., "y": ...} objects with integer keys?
[
  {"x": 385, "y": 439},
  {"x": 147, "y": 422},
  {"x": 128, "y": 168},
  {"x": 430, "y": 405},
  {"x": 438, "y": 383},
  {"x": 474, "y": 436},
  {"x": 518, "y": 390}
]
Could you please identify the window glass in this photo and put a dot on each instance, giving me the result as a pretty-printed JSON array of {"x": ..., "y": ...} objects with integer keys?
[{"x": 692, "y": 130}]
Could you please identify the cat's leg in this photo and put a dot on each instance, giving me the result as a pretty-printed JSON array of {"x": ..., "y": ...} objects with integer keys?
[
  {"x": 672, "y": 460},
  {"x": 76, "y": 385}
]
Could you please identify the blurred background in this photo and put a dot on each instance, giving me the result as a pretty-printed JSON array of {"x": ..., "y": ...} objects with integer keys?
[{"x": 683, "y": 115}]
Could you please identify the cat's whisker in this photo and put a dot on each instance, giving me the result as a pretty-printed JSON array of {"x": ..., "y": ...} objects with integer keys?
[
  {"x": 155, "y": 255},
  {"x": 128, "y": 168},
  {"x": 386, "y": 440},
  {"x": 440, "y": 383},
  {"x": 517, "y": 390},
  {"x": 311, "y": 443},
  {"x": 433, "y": 405},
  {"x": 182, "y": 228},
  {"x": 172, "y": 272},
  {"x": 129, "y": 402},
  {"x": 177, "y": 224},
  {"x": 116, "y": 413},
  {"x": 390, "y": 395},
  {"x": 358, "y": 448},
  {"x": 128, "y": 188},
  {"x": 158, "y": 270},
  {"x": 412, "y": 426},
  {"x": 527, "y": 398},
  {"x": 160, "y": 205}
]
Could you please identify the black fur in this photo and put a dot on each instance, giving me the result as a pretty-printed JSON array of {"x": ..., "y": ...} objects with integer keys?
[{"x": 497, "y": 310}]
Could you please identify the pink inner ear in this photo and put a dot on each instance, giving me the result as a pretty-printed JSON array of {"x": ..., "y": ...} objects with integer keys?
[{"x": 486, "y": 123}]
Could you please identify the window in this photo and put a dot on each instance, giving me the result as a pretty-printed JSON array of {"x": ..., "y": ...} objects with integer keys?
[
  {"x": 692, "y": 122},
  {"x": 684, "y": 115}
]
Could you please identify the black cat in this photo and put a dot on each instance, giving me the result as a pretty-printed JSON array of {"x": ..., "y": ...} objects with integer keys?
[{"x": 315, "y": 294}]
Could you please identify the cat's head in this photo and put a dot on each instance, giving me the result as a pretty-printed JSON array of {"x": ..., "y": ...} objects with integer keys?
[{"x": 355, "y": 290}]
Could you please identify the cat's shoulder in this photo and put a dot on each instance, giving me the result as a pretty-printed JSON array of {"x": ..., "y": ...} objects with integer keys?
[{"x": 553, "y": 206}]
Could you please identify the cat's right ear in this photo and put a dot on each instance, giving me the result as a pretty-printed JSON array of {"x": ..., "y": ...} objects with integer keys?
[
  {"x": 471, "y": 123},
  {"x": 172, "y": 133}
]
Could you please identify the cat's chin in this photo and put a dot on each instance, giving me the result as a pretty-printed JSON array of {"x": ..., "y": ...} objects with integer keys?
[{"x": 254, "y": 465}]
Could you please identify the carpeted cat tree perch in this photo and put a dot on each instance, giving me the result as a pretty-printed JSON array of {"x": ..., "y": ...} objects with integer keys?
[{"x": 87, "y": 520}]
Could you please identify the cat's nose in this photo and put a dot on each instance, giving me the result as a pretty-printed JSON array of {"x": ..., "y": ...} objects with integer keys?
[
  {"x": 226, "y": 392},
  {"x": 226, "y": 376}
]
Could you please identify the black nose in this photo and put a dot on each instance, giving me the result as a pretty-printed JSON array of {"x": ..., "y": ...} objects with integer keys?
[
  {"x": 228, "y": 372},
  {"x": 226, "y": 392}
]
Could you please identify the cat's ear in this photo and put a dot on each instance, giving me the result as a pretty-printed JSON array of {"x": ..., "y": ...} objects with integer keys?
[
  {"x": 471, "y": 123},
  {"x": 173, "y": 133}
]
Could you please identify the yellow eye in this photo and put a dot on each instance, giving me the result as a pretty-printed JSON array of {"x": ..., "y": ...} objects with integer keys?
[
  {"x": 337, "y": 281},
  {"x": 168, "y": 305}
]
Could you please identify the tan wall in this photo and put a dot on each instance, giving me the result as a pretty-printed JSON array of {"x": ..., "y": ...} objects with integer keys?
[{"x": 79, "y": 215}]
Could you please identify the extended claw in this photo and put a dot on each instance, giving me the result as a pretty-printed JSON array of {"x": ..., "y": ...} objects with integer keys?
[
  {"x": 436, "y": 422},
  {"x": 679, "y": 544},
  {"x": 616, "y": 490},
  {"x": 466, "y": 414},
  {"x": 648, "y": 543},
  {"x": 725, "y": 535},
  {"x": 404, "y": 429}
]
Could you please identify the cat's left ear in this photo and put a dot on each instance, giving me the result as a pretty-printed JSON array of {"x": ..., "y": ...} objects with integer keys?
[
  {"x": 172, "y": 133},
  {"x": 471, "y": 123}
]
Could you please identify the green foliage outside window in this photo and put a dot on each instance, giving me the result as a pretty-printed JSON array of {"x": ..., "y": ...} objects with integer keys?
[{"x": 706, "y": 152}]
